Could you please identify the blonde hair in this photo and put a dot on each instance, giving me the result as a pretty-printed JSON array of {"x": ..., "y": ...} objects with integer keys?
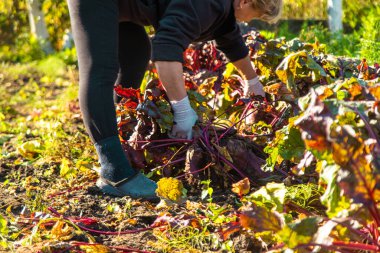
[{"x": 271, "y": 9}]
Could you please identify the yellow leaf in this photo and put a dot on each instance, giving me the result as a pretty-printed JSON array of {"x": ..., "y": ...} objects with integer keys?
[
  {"x": 62, "y": 231},
  {"x": 30, "y": 149},
  {"x": 83, "y": 165},
  {"x": 67, "y": 170},
  {"x": 242, "y": 187},
  {"x": 355, "y": 90},
  {"x": 375, "y": 91},
  {"x": 206, "y": 87},
  {"x": 96, "y": 248},
  {"x": 132, "y": 222},
  {"x": 324, "y": 92},
  {"x": 318, "y": 143}
]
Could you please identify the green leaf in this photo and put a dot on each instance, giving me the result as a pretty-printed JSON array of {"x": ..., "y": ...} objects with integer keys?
[
  {"x": 271, "y": 196},
  {"x": 3, "y": 226},
  {"x": 300, "y": 232},
  {"x": 342, "y": 94},
  {"x": 30, "y": 149},
  {"x": 67, "y": 169},
  {"x": 303, "y": 102},
  {"x": 293, "y": 146},
  {"x": 287, "y": 145},
  {"x": 165, "y": 120},
  {"x": 272, "y": 159},
  {"x": 299, "y": 66}
]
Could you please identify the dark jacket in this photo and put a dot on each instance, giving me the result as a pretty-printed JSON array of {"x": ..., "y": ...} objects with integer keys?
[{"x": 181, "y": 22}]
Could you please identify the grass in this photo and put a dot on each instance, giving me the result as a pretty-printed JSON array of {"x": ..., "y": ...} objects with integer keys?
[
  {"x": 41, "y": 126},
  {"x": 185, "y": 238}
]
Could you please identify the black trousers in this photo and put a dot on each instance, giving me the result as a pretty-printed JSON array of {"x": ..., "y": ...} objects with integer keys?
[{"x": 109, "y": 52}]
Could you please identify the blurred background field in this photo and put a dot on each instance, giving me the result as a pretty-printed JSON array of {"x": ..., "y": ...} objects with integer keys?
[{"x": 306, "y": 19}]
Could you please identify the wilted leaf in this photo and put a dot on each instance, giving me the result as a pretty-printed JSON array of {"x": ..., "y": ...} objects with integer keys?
[
  {"x": 51, "y": 247},
  {"x": 259, "y": 219},
  {"x": 230, "y": 229},
  {"x": 375, "y": 91},
  {"x": 96, "y": 248},
  {"x": 62, "y": 231},
  {"x": 324, "y": 92},
  {"x": 244, "y": 158},
  {"x": 242, "y": 187},
  {"x": 30, "y": 149},
  {"x": 136, "y": 157},
  {"x": 128, "y": 93},
  {"x": 196, "y": 159},
  {"x": 182, "y": 220},
  {"x": 83, "y": 165},
  {"x": 355, "y": 90},
  {"x": 224, "y": 152}
]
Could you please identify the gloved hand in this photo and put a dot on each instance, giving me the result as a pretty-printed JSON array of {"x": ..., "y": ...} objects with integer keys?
[
  {"x": 184, "y": 118},
  {"x": 253, "y": 87}
]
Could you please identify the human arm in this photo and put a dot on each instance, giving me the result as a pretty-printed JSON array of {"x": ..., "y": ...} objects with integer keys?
[
  {"x": 252, "y": 84},
  {"x": 231, "y": 43},
  {"x": 177, "y": 29},
  {"x": 170, "y": 74}
]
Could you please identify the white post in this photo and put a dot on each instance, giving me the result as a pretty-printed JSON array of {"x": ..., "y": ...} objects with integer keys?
[
  {"x": 38, "y": 25},
  {"x": 334, "y": 10}
]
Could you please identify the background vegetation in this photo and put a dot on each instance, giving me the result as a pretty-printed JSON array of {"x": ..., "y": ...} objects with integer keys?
[{"x": 361, "y": 20}]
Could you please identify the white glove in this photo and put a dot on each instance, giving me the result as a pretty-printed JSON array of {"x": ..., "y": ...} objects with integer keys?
[
  {"x": 184, "y": 118},
  {"x": 253, "y": 87}
]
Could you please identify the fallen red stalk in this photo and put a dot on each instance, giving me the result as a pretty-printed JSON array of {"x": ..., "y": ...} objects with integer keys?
[
  {"x": 161, "y": 140},
  {"x": 356, "y": 246},
  {"x": 135, "y": 231},
  {"x": 123, "y": 249},
  {"x": 68, "y": 191},
  {"x": 339, "y": 246}
]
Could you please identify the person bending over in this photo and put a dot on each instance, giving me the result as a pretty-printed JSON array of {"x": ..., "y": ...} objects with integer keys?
[{"x": 113, "y": 48}]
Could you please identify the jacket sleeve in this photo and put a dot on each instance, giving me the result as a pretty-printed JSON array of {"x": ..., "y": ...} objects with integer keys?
[
  {"x": 178, "y": 27},
  {"x": 229, "y": 40}
]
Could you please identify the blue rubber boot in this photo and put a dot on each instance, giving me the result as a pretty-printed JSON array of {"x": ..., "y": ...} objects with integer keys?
[{"x": 117, "y": 177}]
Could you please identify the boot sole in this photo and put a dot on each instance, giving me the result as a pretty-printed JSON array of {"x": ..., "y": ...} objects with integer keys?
[{"x": 110, "y": 190}]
